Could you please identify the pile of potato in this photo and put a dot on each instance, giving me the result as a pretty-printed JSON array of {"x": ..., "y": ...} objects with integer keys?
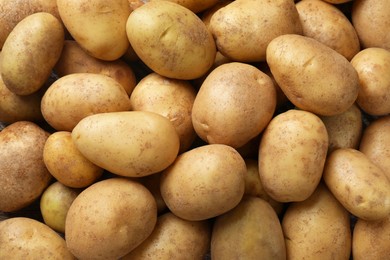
[{"x": 247, "y": 129}]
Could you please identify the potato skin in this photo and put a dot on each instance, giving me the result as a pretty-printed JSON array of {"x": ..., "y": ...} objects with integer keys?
[{"x": 195, "y": 6}]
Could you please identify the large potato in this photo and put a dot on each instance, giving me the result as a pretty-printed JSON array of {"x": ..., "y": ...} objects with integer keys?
[
  {"x": 313, "y": 76},
  {"x": 132, "y": 143},
  {"x": 171, "y": 40}
]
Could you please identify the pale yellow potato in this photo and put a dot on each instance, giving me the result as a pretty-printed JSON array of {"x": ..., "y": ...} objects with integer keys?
[
  {"x": 174, "y": 238},
  {"x": 23, "y": 175},
  {"x": 129, "y": 143},
  {"x": 75, "y": 96},
  {"x": 358, "y": 184},
  {"x": 195, "y": 6},
  {"x": 317, "y": 228},
  {"x": 313, "y": 76},
  {"x": 373, "y": 66},
  {"x": 172, "y": 98},
  {"x": 98, "y": 26},
  {"x": 27, "y": 238},
  {"x": 204, "y": 182},
  {"x": 109, "y": 219},
  {"x": 375, "y": 143},
  {"x": 171, "y": 40},
  {"x": 329, "y": 25},
  {"x": 233, "y": 105},
  {"x": 65, "y": 162},
  {"x": 249, "y": 231},
  {"x": 292, "y": 155},
  {"x": 30, "y": 52},
  {"x": 206, "y": 15},
  {"x": 243, "y": 29}
]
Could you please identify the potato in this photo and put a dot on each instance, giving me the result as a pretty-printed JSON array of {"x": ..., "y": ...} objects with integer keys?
[
  {"x": 206, "y": 15},
  {"x": 103, "y": 30},
  {"x": 152, "y": 183},
  {"x": 171, "y": 40},
  {"x": 65, "y": 162},
  {"x": 249, "y": 231},
  {"x": 372, "y": 66},
  {"x": 25, "y": 238},
  {"x": 328, "y": 25},
  {"x": 30, "y": 53},
  {"x": 133, "y": 143},
  {"x": 234, "y": 104},
  {"x": 358, "y": 184},
  {"x": 174, "y": 238},
  {"x": 75, "y": 96},
  {"x": 371, "y": 20},
  {"x": 313, "y": 76},
  {"x": 292, "y": 155},
  {"x": 109, "y": 219},
  {"x": 375, "y": 143},
  {"x": 317, "y": 228},
  {"x": 204, "y": 182},
  {"x": 171, "y": 98},
  {"x": 23, "y": 175},
  {"x": 195, "y": 6},
  {"x": 259, "y": 21}
]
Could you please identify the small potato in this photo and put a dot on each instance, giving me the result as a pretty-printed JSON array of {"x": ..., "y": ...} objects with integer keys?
[
  {"x": 30, "y": 52},
  {"x": 317, "y": 228},
  {"x": 358, "y": 184},
  {"x": 25, "y": 238},
  {"x": 373, "y": 66},
  {"x": 195, "y": 6},
  {"x": 292, "y": 155},
  {"x": 75, "y": 96}
]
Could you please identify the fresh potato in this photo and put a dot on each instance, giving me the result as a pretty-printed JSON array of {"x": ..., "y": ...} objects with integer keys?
[
  {"x": 195, "y": 6},
  {"x": 243, "y": 29},
  {"x": 292, "y": 155},
  {"x": 65, "y": 162},
  {"x": 234, "y": 104},
  {"x": 133, "y": 143},
  {"x": 358, "y": 184},
  {"x": 204, "y": 182},
  {"x": 109, "y": 219},
  {"x": 249, "y": 231},
  {"x": 23, "y": 175},
  {"x": 313, "y": 76},
  {"x": 171, "y": 40},
  {"x": 75, "y": 96},
  {"x": 174, "y": 238},
  {"x": 206, "y": 15},
  {"x": 317, "y": 228},
  {"x": 30, "y": 52},
  {"x": 26, "y": 238},
  {"x": 373, "y": 66}
]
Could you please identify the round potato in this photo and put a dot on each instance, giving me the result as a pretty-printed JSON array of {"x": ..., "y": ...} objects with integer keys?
[
  {"x": 206, "y": 15},
  {"x": 133, "y": 143},
  {"x": 30, "y": 52},
  {"x": 109, "y": 219},
  {"x": 75, "y": 96},
  {"x": 313, "y": 76},
  {"x": 171, "y": 40},
  {"x": 152, "y": 183},
  {"x": 292, "y": 155}
]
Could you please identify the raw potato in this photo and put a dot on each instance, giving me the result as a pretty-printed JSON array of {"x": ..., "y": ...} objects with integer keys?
[
  {"x": 313, "y": 76},
  {"x": 174, "y": 238},
  {"x": 260, "y": 21},
  {"x": 23, "y": 175},
  {"x": 358, "y": 184},
  {"x": 234, "y": 104},
  {"x": 249, "y": 231},
  {"x": 328, "y": 25},
  {"x": 75, "y": 96},
  {"x": 30, "y": 52},
  {"x": 131, "y": 144},
  {"x": 109, "y": 219},
  {"x": 65, "y": 162},
  {"x": 25, "y": 238},
  {"x": 152, "y": 183},
  {"x": 292, "y": 155},
  {"x": 195, "y": 6},
  {"x": 317, "y": 228},
  {"x": 204, "y": 182},
  {"x": 171, "y": 40},
  {"x": 373, "y": 66}
]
